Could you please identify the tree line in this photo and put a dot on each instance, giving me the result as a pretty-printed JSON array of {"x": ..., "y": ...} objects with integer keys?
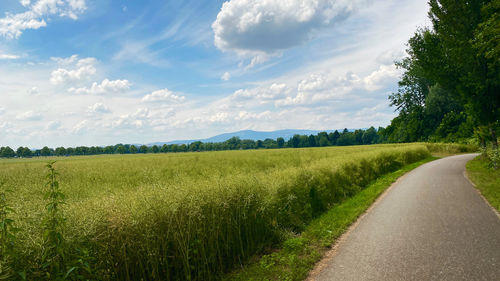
[
  {"x": 336, "y": 138},
  {"x": 450, "y": 87}
]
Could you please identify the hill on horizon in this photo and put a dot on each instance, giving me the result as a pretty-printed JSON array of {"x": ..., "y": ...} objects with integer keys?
[{"x": 249, "y": 134}]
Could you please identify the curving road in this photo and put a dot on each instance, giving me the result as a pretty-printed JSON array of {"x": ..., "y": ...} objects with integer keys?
[{"x": 431, "y": 225}]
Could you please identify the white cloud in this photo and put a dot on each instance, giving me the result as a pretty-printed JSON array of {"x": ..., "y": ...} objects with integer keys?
[
  {"x": 65, "y": 61},
  {"x": 13, "y": 25},
  {"x": 164, "y": 95},
  {"x": 2, "y": 110},
  {"x": 29, "y": 116},
  {"x": 98, "y": 108},
  {"x": 137, "y": 119},
  {"x": 262, "y": 94},
  {"x": 85, "y": 68},
  {"x": 25, "y": 3},
  {"x": 226, "y": 76},
  {"x": 80, "y": 127},
  {"x": 377, "y": 78},
  {"x": 268, "y": 26},
  {"x": 105, "y": 87},
  {"x": 53, "y": 125},
  {"x": 8, "y": 57},
  {"x": 390, "y": 56}
]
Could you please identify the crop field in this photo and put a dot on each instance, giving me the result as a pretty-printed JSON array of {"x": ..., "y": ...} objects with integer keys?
[{"x": 182, "y": 216}]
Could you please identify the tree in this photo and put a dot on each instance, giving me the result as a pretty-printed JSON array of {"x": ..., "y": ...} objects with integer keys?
[
  {"x": 164, "y": 148},
  {"x": 281, "y": 142},
  {"x": 45, "y": 151},
  {"x": 347, "y": 138},
  {"x": 259, "y": 144},
  {"x": 120, "y": 149},
  {"x": 26, "y": 153},
  {"x": 333, "y": 137},
  {"x": 358, "y": 137},
  {"x": 133, "y": 149},
  {"x": 323, "y": 140},
  {"x": 369, "y": 136},
  {"x": 468, "y": 68},
  {"x": 7, "y": 152},
  {"x": 109, "y": 149},
  {"x": 182, "y": 147},
  {"x": 295, "y": 140},
  {"x": 155, "y": 149},
  {"x": 60, "y": 151},
  {"x": 19, "y": 151},
  {"x": 143, "y": 149},
  {"x": 311, "y": 141}
]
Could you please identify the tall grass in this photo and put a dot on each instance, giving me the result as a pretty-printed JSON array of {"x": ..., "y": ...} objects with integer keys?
[
  {"x": 191, "y": 216},
  {"x": 451, "y": 148}
]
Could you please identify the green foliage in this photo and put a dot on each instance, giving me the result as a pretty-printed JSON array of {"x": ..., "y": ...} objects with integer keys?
[
  {"x": 450, "y": 83},
  {"x": 53, "y": 226},
  {"x": 7, "y": 235},
  {"x": 183, "y": 216}
]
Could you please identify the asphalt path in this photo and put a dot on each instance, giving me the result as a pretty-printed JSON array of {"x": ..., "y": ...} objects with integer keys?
[{"x": 431, "y": 225}]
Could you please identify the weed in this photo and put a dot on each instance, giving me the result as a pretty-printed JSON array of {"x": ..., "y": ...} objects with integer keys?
[{"x": 53, "y": 256}]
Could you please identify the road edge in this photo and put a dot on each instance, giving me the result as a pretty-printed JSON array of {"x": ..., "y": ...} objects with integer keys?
[{"x": 330, "y": 254}]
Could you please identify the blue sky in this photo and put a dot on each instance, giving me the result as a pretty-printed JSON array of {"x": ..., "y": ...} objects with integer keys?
[{"x": 98, "y": 72}]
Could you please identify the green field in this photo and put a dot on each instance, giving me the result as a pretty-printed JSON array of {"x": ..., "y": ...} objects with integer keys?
[{"x": 187, "y": 215}]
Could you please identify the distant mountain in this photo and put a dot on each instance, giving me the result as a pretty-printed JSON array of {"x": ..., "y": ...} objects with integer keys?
[{"x": 249, "y": 134}]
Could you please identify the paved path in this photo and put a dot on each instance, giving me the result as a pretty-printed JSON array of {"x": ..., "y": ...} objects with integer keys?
[{"x": 432, "y": 225}]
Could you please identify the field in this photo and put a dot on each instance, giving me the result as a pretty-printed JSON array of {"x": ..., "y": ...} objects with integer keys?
[{"x": 187, "y": 215}]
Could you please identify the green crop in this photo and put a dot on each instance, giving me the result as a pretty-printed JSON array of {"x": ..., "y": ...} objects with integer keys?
[{"x": 187, "y": 216}]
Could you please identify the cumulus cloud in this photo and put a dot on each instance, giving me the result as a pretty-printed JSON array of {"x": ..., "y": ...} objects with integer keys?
[
  {"x": 29, "y": 116},
  {"x": 268, "y": 26},
  {"x": 226, "y": 76},
  {"x": 98, "y": 108},
  {"x": 376, "y": 79},
  {"x": 164, "y": 95},
  {"x": 263, "y": 93},
  {"x": 105, "y": 87},
  {"x": 84, "y": 69},
  {"x": 37, "y": 15},
  {"x": 137, "y": 119},
  {"x": 317, "y": 88}
]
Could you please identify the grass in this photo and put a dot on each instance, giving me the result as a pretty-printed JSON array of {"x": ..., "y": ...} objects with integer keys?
[
  {"x": 187, "y": 216},
  {"x": 486, "y": 179},
  {"x": 298, "y": 254},
  {"x": 448, "y": 149}
]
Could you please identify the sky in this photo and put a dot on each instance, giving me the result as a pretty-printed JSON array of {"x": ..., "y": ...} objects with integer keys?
[{"x": 101, "y": 72}]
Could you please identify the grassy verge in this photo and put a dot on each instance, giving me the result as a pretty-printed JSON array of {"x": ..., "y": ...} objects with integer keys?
[
  {"x": 299, "y": 253},
  {"x": 486, "y": 179}
]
